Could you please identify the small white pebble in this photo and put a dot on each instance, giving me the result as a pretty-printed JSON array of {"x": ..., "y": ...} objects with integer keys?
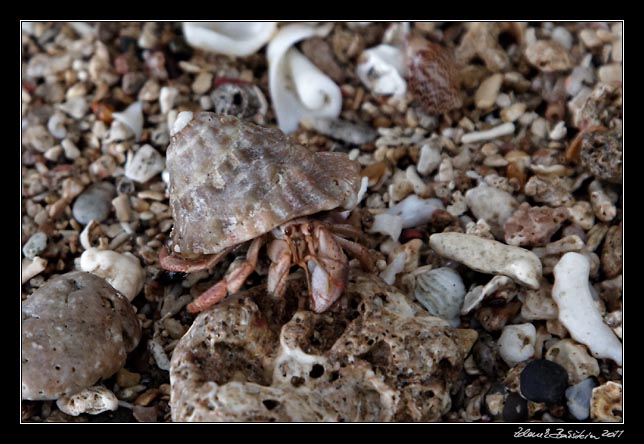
[
  {"x": 610, "y": 73},
  {"x": 122, "y": 271},
  {"x": 70, "y": 149},
  {"x": 132, "y": 117},
  {"x": 498, "y": 131},
  {"x": 516, "y": 343},
  {"x": 160, "y": 356},
  {"x": 561, "y": 35},
  {"x": 31, "y": 268},
  {"x": 539, "y": 127},
  {"x": 92, "y": 400},
  {"x": 56, "y": 125},
  {"x": 388, "y": 224},
  {"x": 513, "y": 112},
  {"x": 53, "y": 153},
  {"x": 429, "y": 159},
  {"x": 396, "y": 266},
  {"x": 488, "y": 91},
  {"x": 415, "y": 211},
  {"x": 205, "y": 102},
  {"x": 559, "y": 131},
  {"x": 503, "y": 100},
  {"x": 202, "y": 83},
  {"x": 589, "y": 38},
  {"x": 144, "y": 164},
  {"x": 167, "y": 97}
]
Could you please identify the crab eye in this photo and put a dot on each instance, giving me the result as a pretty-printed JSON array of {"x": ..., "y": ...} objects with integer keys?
[{"x": 287, "y": 231}]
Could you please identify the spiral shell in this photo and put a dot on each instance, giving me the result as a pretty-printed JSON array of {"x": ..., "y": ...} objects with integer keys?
[
  {"x": 298, "y": 88},
  {"x": 441, "y": 292}
]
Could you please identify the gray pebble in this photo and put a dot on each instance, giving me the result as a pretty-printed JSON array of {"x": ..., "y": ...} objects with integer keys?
[
  {"x": 35, "y": 245},
  {"x": 578, "y": 398},
  {"x": 76, "y": 330},
  {"x": 94, "y": 203},
  {"x": 132, "y": 82}
]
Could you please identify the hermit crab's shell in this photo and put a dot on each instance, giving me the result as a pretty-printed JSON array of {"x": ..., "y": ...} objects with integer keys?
[{"x": 231, "y": 181}]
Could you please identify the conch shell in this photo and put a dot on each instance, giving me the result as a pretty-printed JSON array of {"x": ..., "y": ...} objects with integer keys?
[
  {"x": 298, "y": 88},
  {"x": 231, "y": 38}
]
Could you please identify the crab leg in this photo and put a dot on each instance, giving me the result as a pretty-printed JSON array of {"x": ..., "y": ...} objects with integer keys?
[
  {"x": 330, "y": 270},
  {"x": 358, "y": 251},
  {"x": 347, "y": 230},
  {"x": 280, "y": 255},
  {"x": 171, "y": 263},
  {"x": 232, "y": 281}
]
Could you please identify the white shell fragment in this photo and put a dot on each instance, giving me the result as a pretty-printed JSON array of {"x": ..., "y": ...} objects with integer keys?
[
  {"x": 489, "y": 256},
  {"x": 180, "y": 122},
  {"x": 167, "y": 96},
  {"x": 388, "y": 224},
  {"x": 92, "y": 400},
  {"x": 498, "y": 131},
  {"x": 415, "y": 211},
  {"x": 298, "y": 88},
  {"x": 31, "y": 268},
  {"x": 477, "y": 294},
  {"x": 230, "y": 38},
  {"x": 441, "y": 292},
  {"x": 516, "y": 343},
  {"x": 397, "y": 265},
  {"x": 577, "y": 310},
  {"x": 132, "y": 117},
  {"x": 381, "y": 69},
  {"x": 430, "y": 158},
  {"x": 410, "y": 212},
  {"x": 121, "y": 271},
  {"x": 144, "y": 164}
]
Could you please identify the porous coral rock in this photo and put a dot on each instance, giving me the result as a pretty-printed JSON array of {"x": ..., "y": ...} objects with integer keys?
[{"x": 379, "y": 357}]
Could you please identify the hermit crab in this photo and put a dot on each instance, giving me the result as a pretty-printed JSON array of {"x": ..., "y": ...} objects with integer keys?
[{"x": 233, "y": 182}]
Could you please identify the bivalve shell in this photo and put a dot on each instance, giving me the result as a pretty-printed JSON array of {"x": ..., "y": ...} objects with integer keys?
[{"x": 441, "y": 292}]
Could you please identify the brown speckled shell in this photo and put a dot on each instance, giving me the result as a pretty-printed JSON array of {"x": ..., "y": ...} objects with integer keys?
[
  {"x": 433, "y": 76},
  {"x": 231, "y": 181}
]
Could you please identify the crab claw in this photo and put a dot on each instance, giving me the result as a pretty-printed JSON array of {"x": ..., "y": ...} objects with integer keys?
[{"x": 329, "y": 269}]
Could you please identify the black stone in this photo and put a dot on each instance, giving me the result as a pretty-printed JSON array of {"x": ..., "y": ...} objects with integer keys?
[
  {"x": 515, "y": 409},
  {"x": 486, "y": 354},
  {"x": 543, "y": 381}
]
